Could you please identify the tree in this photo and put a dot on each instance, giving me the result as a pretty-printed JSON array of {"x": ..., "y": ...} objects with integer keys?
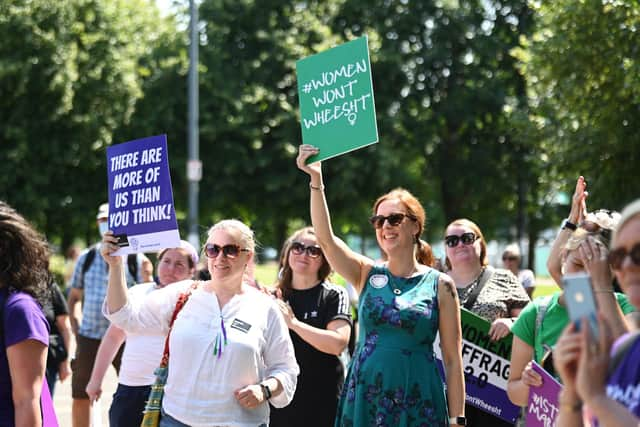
[
  {"x": 583, "y": 73},
  {"x": 69, "y": 77}
]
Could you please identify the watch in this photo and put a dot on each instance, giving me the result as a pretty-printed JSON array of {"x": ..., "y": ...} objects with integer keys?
[
  {"x": 568, "y": 225},
  {"x": 461, "y": 421},
  {"x": 266, "y": 391}
]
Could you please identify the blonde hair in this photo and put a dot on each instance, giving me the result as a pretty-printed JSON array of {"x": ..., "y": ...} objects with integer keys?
[
  {"x": 629, "y": 212},
  {"x": 247, "y": 238}
]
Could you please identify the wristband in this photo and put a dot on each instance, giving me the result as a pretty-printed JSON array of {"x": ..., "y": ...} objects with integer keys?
[
  {"x": 566, "y": 224},
  {"x": 320, "y": 188}
]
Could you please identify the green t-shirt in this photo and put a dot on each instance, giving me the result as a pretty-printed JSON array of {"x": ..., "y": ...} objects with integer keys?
[{"x": 555, "y": 320}]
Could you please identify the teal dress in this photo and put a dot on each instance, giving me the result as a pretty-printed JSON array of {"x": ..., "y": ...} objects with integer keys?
[{"x": 393, "y": 378}]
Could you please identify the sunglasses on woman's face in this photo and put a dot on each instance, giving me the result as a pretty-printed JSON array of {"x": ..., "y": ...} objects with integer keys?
[
  {"x": 313, "y": 251},
  {"x": 394, "y": 219},
  {"x": 509, "y": 258},
  {"x": 466, "y": 239},
  {"x": 212, "y": 250},
  {"x": 617, "y": 256}
]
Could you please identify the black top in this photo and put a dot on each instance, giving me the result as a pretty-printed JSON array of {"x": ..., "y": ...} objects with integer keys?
[
  {"x": 54, "y": 306},
  {"x": 321, "y": 374}
]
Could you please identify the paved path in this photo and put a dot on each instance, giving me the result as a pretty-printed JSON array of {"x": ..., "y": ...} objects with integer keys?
[{"x": 62, "y": 399}]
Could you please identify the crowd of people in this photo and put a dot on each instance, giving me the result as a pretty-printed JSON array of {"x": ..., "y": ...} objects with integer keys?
[{"x": 225, "y": 350}]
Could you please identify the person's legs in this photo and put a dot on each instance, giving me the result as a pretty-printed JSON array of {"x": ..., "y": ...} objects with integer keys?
[
  {"x": 127, "y": 405},
  {"x": 51, "y": 374},
  {"x": 81, "y": 366}
]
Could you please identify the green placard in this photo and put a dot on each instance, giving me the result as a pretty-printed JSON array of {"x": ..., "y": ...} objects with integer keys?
[{"x": 337, "y": 109}]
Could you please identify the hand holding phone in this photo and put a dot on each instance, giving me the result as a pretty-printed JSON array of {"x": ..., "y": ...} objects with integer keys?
[{"x": 580, "y": 301}]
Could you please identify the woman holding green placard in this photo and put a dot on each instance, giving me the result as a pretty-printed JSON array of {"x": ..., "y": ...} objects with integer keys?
[{"x": 393, "y": 379}]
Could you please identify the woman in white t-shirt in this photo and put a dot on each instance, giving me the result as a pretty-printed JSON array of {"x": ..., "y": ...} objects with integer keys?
[
  {"x": 142, "y": 353},
  {"x": 230, "y": 350}
]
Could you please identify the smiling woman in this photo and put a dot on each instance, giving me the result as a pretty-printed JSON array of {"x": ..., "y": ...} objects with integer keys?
[
  {"x": 404, "y": 303},
  {"x": 232, "y": 333}
]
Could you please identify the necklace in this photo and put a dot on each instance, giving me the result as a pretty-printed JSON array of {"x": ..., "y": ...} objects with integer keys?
[
  {"x": 394, "y": 286},
  {"x": 463, "y": 293}
]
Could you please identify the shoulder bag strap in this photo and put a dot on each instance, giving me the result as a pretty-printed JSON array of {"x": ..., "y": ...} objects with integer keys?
[
  {"x": 484, "y": 278},
  {"x": 182, "y": 300}
]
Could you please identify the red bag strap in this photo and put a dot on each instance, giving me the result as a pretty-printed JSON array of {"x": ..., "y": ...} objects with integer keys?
[{"x": 182, "y": 300}]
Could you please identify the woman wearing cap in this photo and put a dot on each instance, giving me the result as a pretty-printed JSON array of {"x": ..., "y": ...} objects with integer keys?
[
  {"x": 540, "y": 324},
  {"x": 317, "y": 314},
  {"x": 601, "y": 377},
  {"x": 142, "y": 353},
  {"x": 230, "y": 350}
]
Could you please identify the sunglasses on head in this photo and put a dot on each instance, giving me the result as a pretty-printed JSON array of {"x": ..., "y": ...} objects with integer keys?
[
  {"x": 212, "y": 250},
  {"x": 394, "y": 219},
  {"x": 617, "y": 256},
  {"x": 466, "y": 239},
  {"x": 312, "y": 251}
]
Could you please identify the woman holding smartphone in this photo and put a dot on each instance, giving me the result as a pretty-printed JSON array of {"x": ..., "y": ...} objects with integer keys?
[
  {"x": 601, "y": 377},
  {"x": 540, "y": 324}
]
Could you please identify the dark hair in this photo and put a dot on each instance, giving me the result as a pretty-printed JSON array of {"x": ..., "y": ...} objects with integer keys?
[
  {"x": 285, "y": 275},
  {"x": 424, "y": 254},
  {"x": 24, "y": 255},
  {"x": 476, "y": 230}
]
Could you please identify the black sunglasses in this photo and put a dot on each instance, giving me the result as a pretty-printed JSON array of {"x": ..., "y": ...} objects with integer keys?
[
  {"x": 312, "y": 251},
  {"x": 466, "y": 239},
  {"x": 212, "y": 250},
  {"x": 394, "y": 219},
  {"x": 617, "y": 256},
  {"x": 509, "y": 258}
]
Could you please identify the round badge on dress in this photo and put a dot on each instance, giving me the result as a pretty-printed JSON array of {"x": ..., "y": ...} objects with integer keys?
[{"x": 379, "y": 281}]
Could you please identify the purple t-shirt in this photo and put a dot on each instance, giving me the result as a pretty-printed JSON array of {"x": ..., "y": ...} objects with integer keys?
[
  {"x": 22, "y": 319},
  {"x": 623, "y": 385}
]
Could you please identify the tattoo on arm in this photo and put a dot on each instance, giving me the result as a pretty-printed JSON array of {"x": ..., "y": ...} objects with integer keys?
[{"x": 450, "y": 289}]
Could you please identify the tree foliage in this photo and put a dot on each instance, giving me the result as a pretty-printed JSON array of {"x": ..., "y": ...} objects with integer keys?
[{"x": 583, "y": 70}]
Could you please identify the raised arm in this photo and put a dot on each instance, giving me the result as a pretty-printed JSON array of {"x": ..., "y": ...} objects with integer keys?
[
  {"x": 577, "y": 214},
  {"x": 350, "y": 265},
  {"x": 451, "y": 344},
  {"x": 117, "y": 290}
]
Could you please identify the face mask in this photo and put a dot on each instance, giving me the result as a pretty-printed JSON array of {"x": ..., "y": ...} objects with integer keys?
[{"x": 103, "y": 227}]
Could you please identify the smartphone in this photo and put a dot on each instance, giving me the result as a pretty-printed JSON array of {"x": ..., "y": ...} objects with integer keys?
[
  {"x": 578, "y": 295},
  {"x": 122, "y": 240}
]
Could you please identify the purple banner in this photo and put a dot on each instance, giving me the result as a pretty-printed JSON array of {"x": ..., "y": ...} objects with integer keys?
[
  {"x": 543, "y": 406},
  {"x": 141, "y": 206}
]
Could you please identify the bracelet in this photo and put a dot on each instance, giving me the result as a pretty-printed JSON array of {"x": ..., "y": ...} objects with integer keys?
[
  {"x": 320, "y": 188},
  {"x": 573, "y": 407},
  {"x": 266, "y": 391}
]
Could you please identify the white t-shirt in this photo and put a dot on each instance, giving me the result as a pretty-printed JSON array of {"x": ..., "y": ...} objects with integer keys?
[
  {"x": 200, "y": 386},
  {"x": 142, "y": 353}
]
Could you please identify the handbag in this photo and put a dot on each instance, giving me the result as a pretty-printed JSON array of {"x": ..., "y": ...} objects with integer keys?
[
  {"x": 57, "y": 351},
  {"x": 151, "y": 417}
]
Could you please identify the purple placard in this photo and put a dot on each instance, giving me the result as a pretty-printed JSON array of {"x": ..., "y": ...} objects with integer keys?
[
  {"x": 140, "y": 195},
  {"x": 543, "y": 406},
  {"x": 486, "y": 396}
]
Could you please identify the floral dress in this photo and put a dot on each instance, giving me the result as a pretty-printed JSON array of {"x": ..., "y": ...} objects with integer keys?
[{"x": 393, "y": 378}]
